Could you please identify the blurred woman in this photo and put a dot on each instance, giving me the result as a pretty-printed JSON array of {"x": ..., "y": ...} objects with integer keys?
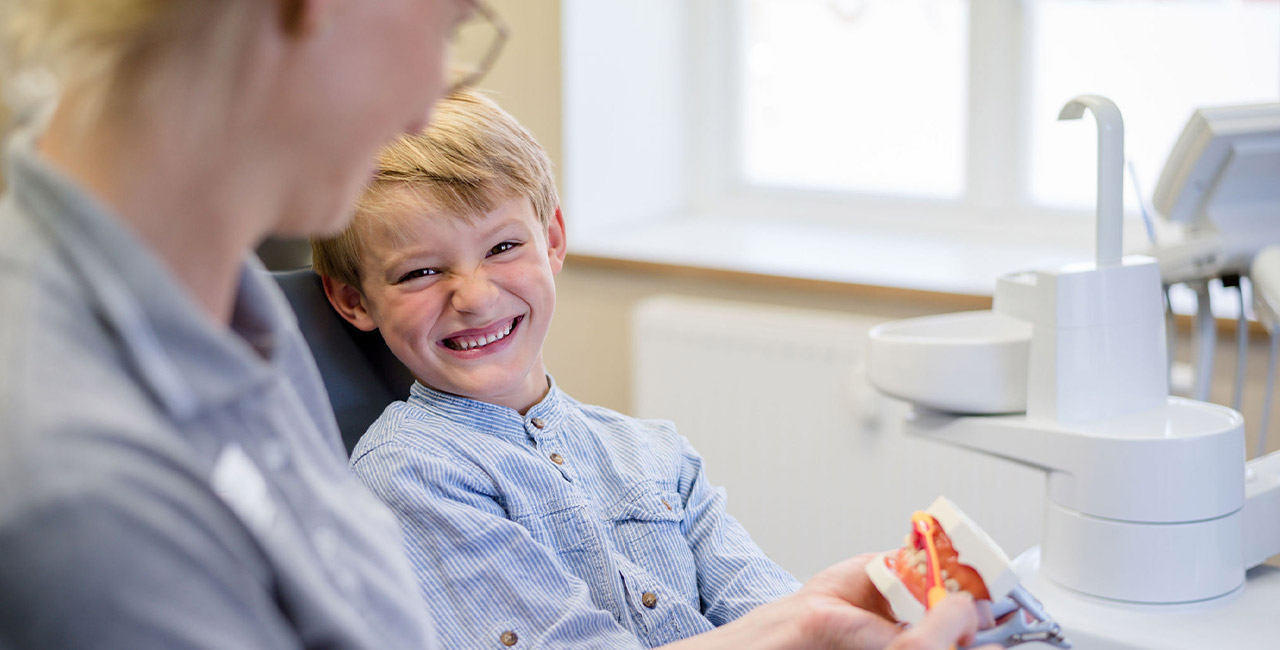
[{"x": 172, "y": 475}]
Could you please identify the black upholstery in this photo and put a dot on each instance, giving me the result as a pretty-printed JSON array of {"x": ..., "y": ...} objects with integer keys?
[{"x": 360, "y": 373}]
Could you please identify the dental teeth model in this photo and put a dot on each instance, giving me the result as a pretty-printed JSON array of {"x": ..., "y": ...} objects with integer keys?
[{"x": 947, "y": 552}]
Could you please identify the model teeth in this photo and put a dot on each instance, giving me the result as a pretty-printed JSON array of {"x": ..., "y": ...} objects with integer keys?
[{"x": 480, "y": 341}]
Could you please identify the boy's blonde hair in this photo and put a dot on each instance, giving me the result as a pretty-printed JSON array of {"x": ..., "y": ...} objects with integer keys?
[{"x": 471, "y": 158}]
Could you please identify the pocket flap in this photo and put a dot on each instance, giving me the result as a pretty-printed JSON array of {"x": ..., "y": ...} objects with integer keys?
[{"x": 649, "y": 504}]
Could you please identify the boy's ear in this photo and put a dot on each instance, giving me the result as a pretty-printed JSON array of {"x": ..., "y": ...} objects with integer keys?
[
  {"x": 556, "y": 244},
  {"x": 349, "y": 303}
]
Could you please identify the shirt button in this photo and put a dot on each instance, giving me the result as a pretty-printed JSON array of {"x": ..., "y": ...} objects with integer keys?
[
  {"x": 668, "y": 505},
  {"x": 538, "y": 422},
  {"x": 508, "y": 638},
  {"x": 649, "y": 599},
  {"x": 557, "y": 459}
]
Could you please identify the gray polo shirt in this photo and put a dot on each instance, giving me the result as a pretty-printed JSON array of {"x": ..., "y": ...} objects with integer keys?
[{"x": 166, "y": 481}]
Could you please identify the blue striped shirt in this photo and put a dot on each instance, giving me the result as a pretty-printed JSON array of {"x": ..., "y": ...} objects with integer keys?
[{"x": 571, "y": 526}]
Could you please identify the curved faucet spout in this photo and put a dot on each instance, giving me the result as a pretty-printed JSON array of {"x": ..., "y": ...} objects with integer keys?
[{"x": 1110, "y": 172}]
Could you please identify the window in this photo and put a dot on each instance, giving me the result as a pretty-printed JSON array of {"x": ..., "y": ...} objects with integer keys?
[
  {"x": 1158, "y": 60},
  {"x": 865, "y": 97},
  {"x": 955, "y": 102},
  {"x": 907, "y": 143}
]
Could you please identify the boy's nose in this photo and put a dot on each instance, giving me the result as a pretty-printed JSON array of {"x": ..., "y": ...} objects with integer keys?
[{"x": 474, "y": 293}]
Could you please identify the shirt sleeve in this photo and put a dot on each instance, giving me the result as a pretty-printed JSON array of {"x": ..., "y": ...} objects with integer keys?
[
  {"x": 734, "y": 574},
  {"x": 487, "y": 582},
  {"x": 133, "y": 562}
]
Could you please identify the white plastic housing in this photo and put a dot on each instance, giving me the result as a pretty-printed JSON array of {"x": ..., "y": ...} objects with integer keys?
[
  {"x": 1244, "y": 619},
  {"x": 1217, "y": 194},
  {"x": 1099, "y": 347},
  {"x": 1181, "y": 462},
  {"x": 968, "y": 362},
  {"x": 1142, "y": 508},
  {"x": 1143, "y": 563}
]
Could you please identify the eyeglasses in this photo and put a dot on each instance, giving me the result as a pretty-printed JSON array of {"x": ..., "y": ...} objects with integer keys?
[{"x": 475, "y": 46}]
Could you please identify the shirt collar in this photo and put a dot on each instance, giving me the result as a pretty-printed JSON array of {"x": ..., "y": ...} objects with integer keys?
[
  {"x": 493, "y": 418},
  {"x": 186, "y": 359}
]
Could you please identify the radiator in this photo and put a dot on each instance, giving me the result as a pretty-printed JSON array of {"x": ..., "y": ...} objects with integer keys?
[{"x": 813, "y": 459}]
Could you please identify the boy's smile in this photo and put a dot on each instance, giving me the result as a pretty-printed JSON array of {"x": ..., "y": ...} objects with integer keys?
[
  {"x": 482, "y": 338},
  {"x": 464, "y": 303}
]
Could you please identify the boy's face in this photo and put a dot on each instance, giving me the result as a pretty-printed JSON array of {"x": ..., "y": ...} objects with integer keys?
[{"x": 465, "y": 305}]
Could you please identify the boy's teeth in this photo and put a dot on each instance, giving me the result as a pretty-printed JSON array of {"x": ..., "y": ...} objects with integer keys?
[{"x": 480, "y": 341}]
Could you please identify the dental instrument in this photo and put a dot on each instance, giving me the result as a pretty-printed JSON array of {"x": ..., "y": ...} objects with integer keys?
[
  {"x": 1029, "y": 625},
  {"x": 1217, "y": 201}
]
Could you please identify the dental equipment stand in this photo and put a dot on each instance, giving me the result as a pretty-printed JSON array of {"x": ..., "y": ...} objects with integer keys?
[
  {"x": 1217, "y": 207},
  {"x": 1154, "y": 529}
]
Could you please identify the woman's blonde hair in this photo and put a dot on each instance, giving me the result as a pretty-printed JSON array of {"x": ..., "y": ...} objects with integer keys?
[
  {"x": 104, "y": 50},
  {"x": 471, "y": 158}
]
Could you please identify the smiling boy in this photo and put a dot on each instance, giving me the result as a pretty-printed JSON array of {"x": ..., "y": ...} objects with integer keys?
[{"x": 531, "y": 519}]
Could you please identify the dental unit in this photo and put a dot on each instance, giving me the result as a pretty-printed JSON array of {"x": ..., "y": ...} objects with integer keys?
[{"x": 1155, "y": 527}]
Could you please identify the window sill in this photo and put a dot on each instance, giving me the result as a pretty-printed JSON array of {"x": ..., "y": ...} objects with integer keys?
[
  {"x": 953, "y": 270},
  {"x": 944, "y": 265}
]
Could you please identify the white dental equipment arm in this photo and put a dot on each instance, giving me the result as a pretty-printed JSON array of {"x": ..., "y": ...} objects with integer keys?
[
  {"x": 1146, "y": 493},
  {"x": 1217, "y": 200}
]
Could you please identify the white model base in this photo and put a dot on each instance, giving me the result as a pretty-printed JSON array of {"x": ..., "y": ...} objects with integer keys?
[{"x": 1246, "y": 618}]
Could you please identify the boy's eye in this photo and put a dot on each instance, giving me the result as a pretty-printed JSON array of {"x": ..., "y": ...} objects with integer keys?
[
  {"x": 417, "y": 273},
  {"x": 503, "y": 247}
]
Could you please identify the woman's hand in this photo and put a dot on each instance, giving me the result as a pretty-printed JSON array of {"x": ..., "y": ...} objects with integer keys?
[
  {"x": 834, "y": 624},
  {"x": 840, "y": 609}
]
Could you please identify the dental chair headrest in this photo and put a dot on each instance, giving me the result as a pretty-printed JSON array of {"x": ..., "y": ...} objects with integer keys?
[{"x": 359, "y": 372}]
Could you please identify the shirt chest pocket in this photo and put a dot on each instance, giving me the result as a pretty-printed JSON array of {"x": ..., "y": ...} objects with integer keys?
[{"x": 649, "y": 528}]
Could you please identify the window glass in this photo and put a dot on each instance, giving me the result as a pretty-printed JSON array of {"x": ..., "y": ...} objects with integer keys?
[
  {"x": 1158, "y": 60},
  {"x": 865, "y": 96}
]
